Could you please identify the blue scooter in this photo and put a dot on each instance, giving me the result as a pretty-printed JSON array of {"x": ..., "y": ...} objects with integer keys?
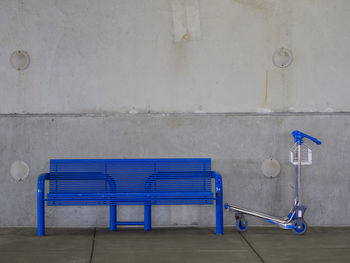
[{"x": 295, "y": 219}]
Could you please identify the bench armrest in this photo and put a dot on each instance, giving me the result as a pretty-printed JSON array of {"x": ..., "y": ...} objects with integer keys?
[
  {"x": 216, "y": 176},
  {"x": 218, "y": 182}
]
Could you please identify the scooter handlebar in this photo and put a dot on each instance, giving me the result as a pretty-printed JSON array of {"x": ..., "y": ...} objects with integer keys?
[{"x": 299, "y": 136}]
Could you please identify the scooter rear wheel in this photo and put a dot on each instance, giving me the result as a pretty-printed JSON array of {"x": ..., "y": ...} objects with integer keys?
[
  {"x": 241, "y": 224},
  {"x": 301, "y": 229}
]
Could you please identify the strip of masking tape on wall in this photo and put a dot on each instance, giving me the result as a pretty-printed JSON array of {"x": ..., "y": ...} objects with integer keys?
[{"x": 186, "y": 19}]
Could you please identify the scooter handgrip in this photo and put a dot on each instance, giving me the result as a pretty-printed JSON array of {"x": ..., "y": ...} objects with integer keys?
[{"x": 299, "y": 136}]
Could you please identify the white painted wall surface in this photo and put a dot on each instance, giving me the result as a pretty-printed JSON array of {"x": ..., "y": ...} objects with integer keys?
[{"x": 120, "y": 56}]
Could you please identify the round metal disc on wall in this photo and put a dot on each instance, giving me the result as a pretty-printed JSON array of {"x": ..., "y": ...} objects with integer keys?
[
  {"x": 282, "y": 58},
  {"x": 271, "y": 168},
  {"x": 19, "y": 60},
  {"x": 19, "y": 171}
]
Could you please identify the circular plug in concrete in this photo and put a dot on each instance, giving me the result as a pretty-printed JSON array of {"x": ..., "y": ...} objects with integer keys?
[
  {"x": 19, "y": 171},
  {"x": 282, "y": 58},
  {"x": 19, "y": 60},
  {"x": 271, "y": 168}
]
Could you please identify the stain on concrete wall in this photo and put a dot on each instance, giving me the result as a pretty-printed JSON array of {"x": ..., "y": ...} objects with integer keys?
[{"x": 186, "y": 19}]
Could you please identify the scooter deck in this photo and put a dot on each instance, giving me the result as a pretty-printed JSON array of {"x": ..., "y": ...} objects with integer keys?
[{"x": 259, "y": 214}]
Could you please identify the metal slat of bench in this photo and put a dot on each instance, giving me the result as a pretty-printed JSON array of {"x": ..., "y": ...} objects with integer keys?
[
  {"x": 125, "y": 181},
  {"x": 130, "y": 198},
  {"x": 117, "y": 165}
]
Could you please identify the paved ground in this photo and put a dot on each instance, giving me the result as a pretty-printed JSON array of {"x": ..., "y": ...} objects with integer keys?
[{"x": 174, "y": 245}]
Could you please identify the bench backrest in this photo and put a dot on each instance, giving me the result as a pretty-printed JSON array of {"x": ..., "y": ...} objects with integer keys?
[{"x": 129, "y": 175}]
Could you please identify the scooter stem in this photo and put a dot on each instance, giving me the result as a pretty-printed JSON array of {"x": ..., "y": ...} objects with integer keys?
[
  {"x": 298, "y": 140},
  {"x": 298, "y": 178}
]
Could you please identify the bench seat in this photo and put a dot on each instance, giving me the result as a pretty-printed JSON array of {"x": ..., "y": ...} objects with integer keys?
[{"x": 112, "y": 182}]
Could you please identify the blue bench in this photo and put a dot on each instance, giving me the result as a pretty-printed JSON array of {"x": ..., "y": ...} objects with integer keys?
[{"x": 112, "y": 182}]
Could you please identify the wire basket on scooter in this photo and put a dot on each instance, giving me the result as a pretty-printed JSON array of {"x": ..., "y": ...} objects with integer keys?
[{"x": 306, "y": 155}]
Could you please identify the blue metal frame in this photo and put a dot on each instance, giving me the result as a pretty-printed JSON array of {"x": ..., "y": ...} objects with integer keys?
[
  {"x": 41, "y": 203},
  {"x": 219, "y": 203},
  {"x": 175, "y": 187}
]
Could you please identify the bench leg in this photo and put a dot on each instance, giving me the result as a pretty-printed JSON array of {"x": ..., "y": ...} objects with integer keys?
[
  {"x": 219, "y": 205},
  {"x": 219, "y": 216},
  {"x": 112, "y": 217},
  {"x": 41, "y": 215},
  {"x": 148, "y": 217},
  {"x": 41, "y": 204}
]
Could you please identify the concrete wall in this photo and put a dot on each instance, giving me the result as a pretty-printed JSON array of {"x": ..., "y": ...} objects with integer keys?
[
  {"x": 107, "y": 80},
  {"x": 238, "y": 144},
  {"x": 119, "y": 56}
]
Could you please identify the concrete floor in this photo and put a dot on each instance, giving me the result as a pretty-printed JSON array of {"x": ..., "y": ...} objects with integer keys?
[{"x": 174, "y": 245}]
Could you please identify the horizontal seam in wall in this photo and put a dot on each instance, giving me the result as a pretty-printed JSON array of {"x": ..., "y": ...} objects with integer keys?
[{"x": 159, "y": 114}]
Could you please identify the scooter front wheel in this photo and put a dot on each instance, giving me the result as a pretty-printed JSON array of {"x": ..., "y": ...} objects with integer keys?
[
  {"x": 241, "y": 224},
  {"x": 299, "y": 230}
]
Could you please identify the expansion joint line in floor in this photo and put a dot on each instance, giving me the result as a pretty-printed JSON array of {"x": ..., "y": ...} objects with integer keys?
[{"x": 250, "y": 245}]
